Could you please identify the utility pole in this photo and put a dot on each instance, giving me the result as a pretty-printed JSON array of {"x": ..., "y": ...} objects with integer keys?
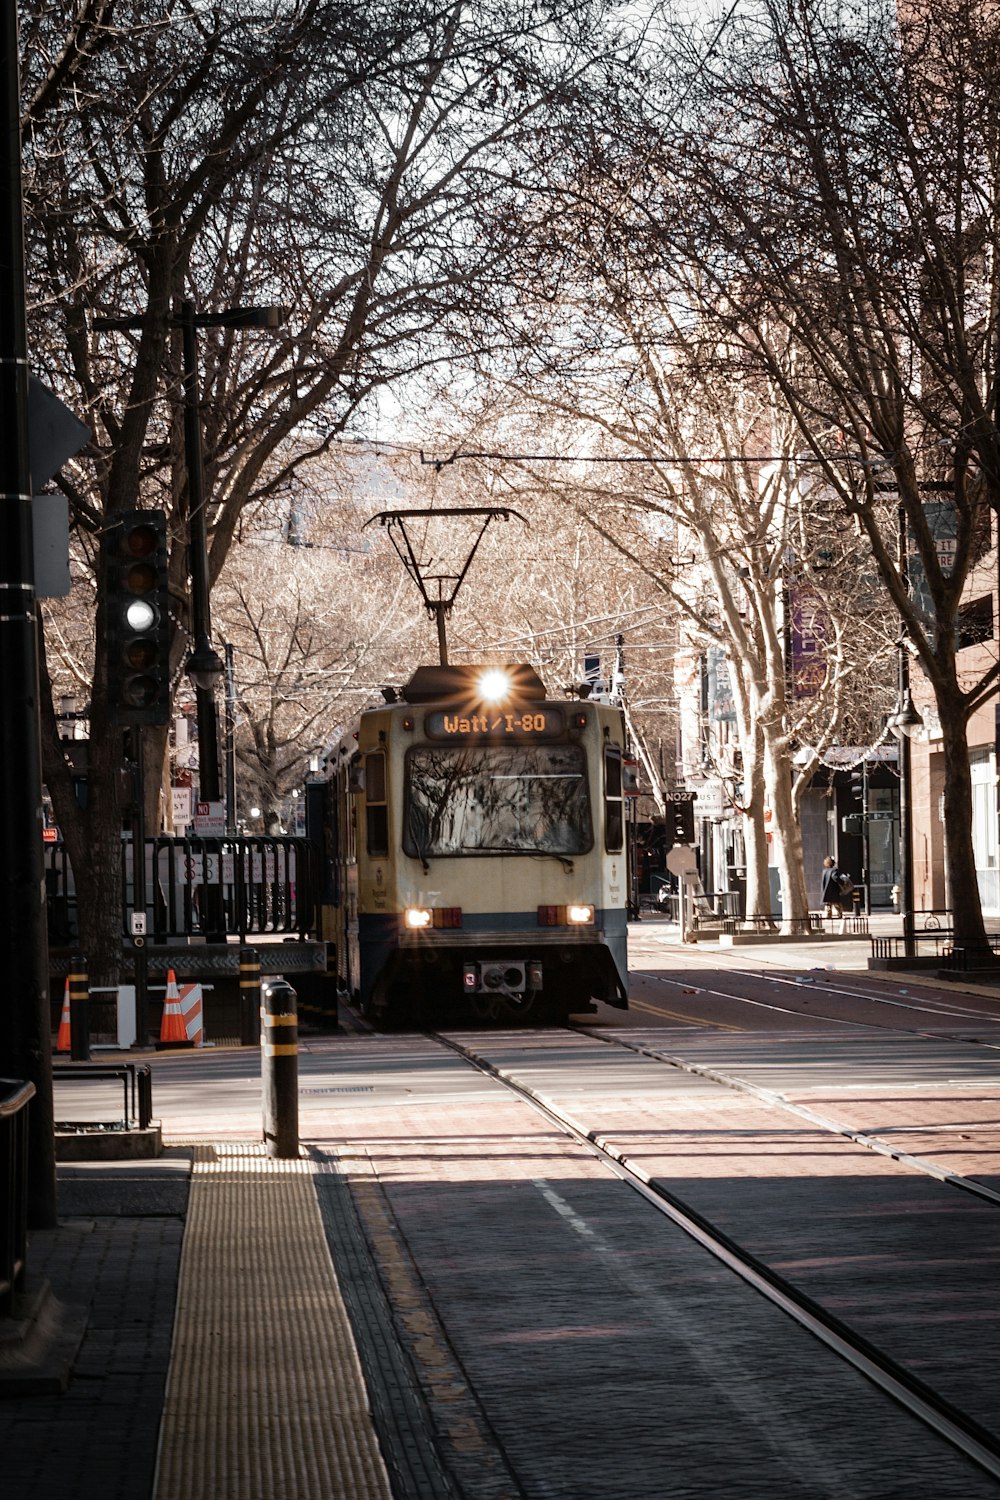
[{"x": 25, "y": 1027}]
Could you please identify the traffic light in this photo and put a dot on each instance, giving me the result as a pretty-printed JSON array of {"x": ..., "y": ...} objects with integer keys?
[
  {"x": 857, "y": 782},
  {"x": 680, "y": 819},
  {"x": 138, "y": 624}
]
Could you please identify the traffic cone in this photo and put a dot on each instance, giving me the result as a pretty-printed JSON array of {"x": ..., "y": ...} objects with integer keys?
[
  {"x": 63, "y": 1042},
  {"x": 172, "y": 1030}
]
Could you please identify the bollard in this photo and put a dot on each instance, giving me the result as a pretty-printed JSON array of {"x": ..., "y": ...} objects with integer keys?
[
  {"x": 79, "y": 1010},
  {"x": 249, "y": 997},
  {"x": 279, "y": 1068}
]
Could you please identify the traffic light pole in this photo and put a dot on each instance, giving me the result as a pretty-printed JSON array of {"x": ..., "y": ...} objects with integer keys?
[
  {"x": 140, "y": 959},
  {"x": 866, "y": 878},
  {"x": 24, "y": 1017},
  {"x": 201, "y": 620},
  {"x": 209, "y": 788}
]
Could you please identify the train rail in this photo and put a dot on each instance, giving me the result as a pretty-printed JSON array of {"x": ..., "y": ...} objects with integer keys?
[
  {"x": 774, "y": 1097},
  {"x": 821, "y": 981},
  {"x": 943, "y": 1417}
]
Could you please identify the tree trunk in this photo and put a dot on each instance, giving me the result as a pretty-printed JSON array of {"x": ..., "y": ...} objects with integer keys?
[
  {"x": 788, "y": 838},
  {"x": 755, "y": 839},
  {"x": 960, "y": 859},
  {"x": 94, "y": 845}
]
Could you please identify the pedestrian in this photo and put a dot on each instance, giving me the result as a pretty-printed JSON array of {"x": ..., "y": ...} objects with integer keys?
[{"x": 832, "y": 889}]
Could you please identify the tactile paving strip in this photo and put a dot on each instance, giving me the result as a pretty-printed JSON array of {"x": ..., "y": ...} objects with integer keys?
[{"x": 265, "y": 1398}]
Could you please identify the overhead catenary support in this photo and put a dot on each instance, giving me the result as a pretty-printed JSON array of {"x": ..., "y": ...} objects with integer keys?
[{"x": 438, "y": 589}]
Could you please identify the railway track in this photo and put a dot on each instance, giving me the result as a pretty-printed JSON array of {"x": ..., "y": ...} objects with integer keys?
[
  {"x": 902, "y": 999},
  {"x": 774, "y": 1097},
  {"x": 962, "y": 1431}
]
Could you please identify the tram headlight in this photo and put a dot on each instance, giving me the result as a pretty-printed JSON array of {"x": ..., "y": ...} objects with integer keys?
[
  {"x": 578, "y": 915},
  {"x": 418, "y": 917},
  {"x": 494, "y": 686}
]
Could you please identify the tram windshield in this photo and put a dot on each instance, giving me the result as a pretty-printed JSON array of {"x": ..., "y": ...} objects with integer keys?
[{"x": 497, "y": 799}]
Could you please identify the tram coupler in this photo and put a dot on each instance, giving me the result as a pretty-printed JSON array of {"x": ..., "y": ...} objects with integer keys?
[
  {"x": 501, "y": 977},
  {"x": 279, "y": 1067}
]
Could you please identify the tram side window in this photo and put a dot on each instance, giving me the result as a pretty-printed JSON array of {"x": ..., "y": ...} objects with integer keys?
[
  {"x": 375, "y": 801},
  {"x": 614, "y": 822}
]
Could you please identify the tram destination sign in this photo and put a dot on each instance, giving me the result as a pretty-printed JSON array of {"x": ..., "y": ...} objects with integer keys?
[{"x": 534, "y": 722}]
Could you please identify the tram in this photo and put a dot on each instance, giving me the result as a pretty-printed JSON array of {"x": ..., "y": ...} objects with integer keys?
[{"x": 476, "y": 857}]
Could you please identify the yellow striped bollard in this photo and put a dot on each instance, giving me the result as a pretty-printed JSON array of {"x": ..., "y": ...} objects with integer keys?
[
  {"x": 79, "y": 1009},
  {"x": 279, "y": 1068},
  {"x": 249, "y": 997}
]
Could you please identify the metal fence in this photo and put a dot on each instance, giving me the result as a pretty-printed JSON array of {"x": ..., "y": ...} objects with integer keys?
[
  {"x": 15, "y": 1098},
  {"x": 711, "y": 907},
  {"x": 137, "y": 1094},
  {"x": 242, "y": 886},
  {"x": 932, "y": 939}
]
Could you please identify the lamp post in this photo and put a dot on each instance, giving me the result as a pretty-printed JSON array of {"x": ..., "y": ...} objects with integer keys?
[
  {"x": 230, "y": 741},
  {"x": 905, "y": 723},
  {"x": 204, "y": 666}
]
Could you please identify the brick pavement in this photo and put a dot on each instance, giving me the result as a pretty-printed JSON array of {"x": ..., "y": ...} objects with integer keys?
[
  {"x": 908, "y": 1260},
  {"x": 612, "y": 1360},
  {"x": 115, "y": 1254}
]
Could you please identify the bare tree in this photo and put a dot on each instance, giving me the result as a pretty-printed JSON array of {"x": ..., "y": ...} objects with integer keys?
[
  {"x": 305, "y": 663},
  {"x": 699, "y": 489},
  {"x": 339, "y": 159},
  {"x": 824, "y": 197}
]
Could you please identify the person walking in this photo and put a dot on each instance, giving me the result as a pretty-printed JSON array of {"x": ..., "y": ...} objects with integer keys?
[{"x": 832, "y": 889}]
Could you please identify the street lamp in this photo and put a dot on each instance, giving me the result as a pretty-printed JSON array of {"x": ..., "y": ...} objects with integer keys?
[
  {"x": 204, "y": 666},
  {"x": 905, "y": 723}
]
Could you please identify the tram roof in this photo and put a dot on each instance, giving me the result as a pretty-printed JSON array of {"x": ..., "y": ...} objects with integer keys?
[{"x": 439, "y": 684}]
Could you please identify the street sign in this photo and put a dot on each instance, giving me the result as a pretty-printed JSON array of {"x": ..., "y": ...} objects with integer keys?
[
  {"x": 210, "y": 820},
  {"x": 54, "y": 433},
  {"x": 710, "y": 800},
  {"x": 681, "y": 860},
  {"x": 50, "y": 545}
]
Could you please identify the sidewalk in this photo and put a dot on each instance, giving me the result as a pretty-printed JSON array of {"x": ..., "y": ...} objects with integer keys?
[
  {"x": 844, "y": 952},
  {"x": 114, "y": 1259},
  {"x": 217, "y": 1361}
]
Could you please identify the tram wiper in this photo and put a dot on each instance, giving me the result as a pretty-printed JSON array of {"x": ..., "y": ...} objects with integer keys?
[{"x": 563, "y": 859}]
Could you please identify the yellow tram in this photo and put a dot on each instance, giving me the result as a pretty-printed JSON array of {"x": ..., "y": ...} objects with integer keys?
[{"x": 475, "y": 837}]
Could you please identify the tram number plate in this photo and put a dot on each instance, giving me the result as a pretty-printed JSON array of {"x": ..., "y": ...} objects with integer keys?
[{"x": 495, "y": 724}]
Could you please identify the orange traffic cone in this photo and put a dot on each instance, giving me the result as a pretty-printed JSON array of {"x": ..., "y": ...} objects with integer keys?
[
  {"x": 172, "y": 1030},
  {"x": 63, "y": 1041}
]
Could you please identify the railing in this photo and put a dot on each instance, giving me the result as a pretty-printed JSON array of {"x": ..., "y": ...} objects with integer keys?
[
  {"x": 709, "y": 909},
  {"x": 932, "y": 938},
  {"x": 267, "y": 885},
  {"x": 935, "y": 944},
  {"x": 971, "y": 958},
  {"x": 254, "y": 886},
  {"x": 137, "y": 1094},
  {"x": 771, "y": 921},
  {"x": 14, "y": 1100}
]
